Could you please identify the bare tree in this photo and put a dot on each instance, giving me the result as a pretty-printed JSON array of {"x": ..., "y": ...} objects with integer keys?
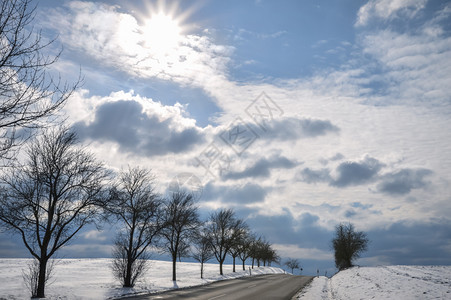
[
  {"x": 254, "y": 250},
  {"x": 292, "y": 263},
  {"x": 180, "y": 221},
  {"x": 201, "y": 250},
  {"x": 244, "y": 248},
  {"x": 348, "y": 245},
  {"x": 135, "y": 204},
  {"x": 237, "y": 245},
  {"x": 268, "y": 254},
  {"x": 28, "y": 94},
  {"x": 53, "y": 195},
  {"x": 223, "y": 229},
  {"x": 31, "y": 275}
]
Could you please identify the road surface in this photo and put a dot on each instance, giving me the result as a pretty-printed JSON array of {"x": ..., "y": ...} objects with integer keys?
[{"x": 274, "y": 286}]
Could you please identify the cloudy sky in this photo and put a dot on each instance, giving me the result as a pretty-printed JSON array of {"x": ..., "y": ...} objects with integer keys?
[{"x": 299, "y": 115}]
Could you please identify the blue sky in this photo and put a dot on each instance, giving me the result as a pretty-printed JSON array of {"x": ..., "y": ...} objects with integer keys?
[{"x": 342, "y": 109}]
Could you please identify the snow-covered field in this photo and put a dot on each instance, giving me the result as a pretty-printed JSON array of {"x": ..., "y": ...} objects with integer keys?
[
  {"x": 390, "y": 282},
  {"x": 92, "y": 278}
]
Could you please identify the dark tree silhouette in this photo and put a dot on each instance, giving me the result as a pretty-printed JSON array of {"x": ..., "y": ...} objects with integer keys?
[
  {"x": 348, "y": 244},
  {"x": 237, "y": 244},
  {"x": 180, "y": 221},
  {"x": 244, "y": 248},
  {"x": 135, "y": 204},
  {"x": 28, "y": 94},
  {"x": 223, "y": 230},
  {"x": 292, "y": 263},
  {"x": 54, "y": 194},
  {"x": 201, "y": 250}
]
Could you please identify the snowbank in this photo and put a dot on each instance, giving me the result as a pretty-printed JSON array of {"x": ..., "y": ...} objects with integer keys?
[
  {"x": 92, "y": 278},
  {"x": 390, "y": 282}
]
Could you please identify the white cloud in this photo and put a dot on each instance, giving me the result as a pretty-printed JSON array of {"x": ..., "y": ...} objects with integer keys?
[
  {"x": 417, "y": 67},
  {"x": 117, "y": 40},
  {"x": 295, "y": 251},
  {"x": 94, "y": 235},
  {"x": 388, "y": 9}
]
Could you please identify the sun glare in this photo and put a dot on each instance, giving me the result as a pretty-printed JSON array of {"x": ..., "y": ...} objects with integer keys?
[{"x": 162, "y": 33}]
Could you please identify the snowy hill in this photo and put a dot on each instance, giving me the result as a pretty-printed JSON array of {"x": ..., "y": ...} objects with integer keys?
[
  {"x": 92, "y": 278},
  {"x": 390, "y": 282}
]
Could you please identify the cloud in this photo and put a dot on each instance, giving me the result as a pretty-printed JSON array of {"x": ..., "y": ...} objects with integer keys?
[
  {"x": 314, "y": 176},
  {"x": 295, "y": 128},
  {"x": 148, "y": 131},
  {"x": 94, "y": 235},
  {"x": 262, "y": 168},
  {"x": 118, "y": 40},
  {"x": 356, "y": 173},
  {"x": 241, "y": 194},
  {"x": 388, "y": 9},
  {"x": 412, "y": 243},
  {"x": 294, "y": 251},
  {"x": 403, "y": 181}
]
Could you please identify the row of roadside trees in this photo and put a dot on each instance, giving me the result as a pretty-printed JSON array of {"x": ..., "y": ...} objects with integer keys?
[{"x": 60, "y": 188}]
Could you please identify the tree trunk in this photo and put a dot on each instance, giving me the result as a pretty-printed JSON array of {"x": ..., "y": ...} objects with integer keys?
[
  {"x": 244, "y": 267},
  {"x": 258, "y": 263},
  {"x": 220, "y": 267},
  {"x": 233, "y": 264},
  {"x": 128, "y": 273},
  {"x": 40, "y": 293},
  {"x": 253, "y": 259},
  {"x": 174, "y": 267},
  {"x": 201, "y": 270}
]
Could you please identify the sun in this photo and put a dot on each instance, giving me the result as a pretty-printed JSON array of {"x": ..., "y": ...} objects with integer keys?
[{"x": 161, "y": 33}]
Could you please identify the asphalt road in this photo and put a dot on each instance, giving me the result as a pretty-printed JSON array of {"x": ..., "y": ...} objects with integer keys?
[{"x": 274, "y": 286}]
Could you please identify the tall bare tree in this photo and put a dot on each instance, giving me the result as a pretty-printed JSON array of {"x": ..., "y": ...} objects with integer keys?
[
  {"x": 244, "y": 248},
  {"x": 223, "y": 230},
  {"x": 135, "y": 204},
  {"x": 28, "y": 94},
  {"x": 237, "y": 245},
  {"x": 201, "y": 250},
  {"x": 54, "y": 194},
  {"x": 180, "y": 221}
]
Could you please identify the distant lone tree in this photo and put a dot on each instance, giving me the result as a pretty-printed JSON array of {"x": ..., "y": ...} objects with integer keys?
[
  {"x": 348, "y": 244},
  {"x": 49, "y": 198},
  {"x": 292, "y": 263}
]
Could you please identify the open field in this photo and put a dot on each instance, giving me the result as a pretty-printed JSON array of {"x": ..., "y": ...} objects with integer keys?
[
  {"x": 388, "y": 282},
  {"x": 92, "y": 278}
]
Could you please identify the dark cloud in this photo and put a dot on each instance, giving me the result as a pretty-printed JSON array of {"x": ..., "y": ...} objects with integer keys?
[
  {"x": 291, "y": 129},
  {"x": 125, "y": 123},
  {"x": 337, "y": 156},
  {"x": 403, "y": 181},
  {"x": 262, "y": 168},
  {"x": 353, "y": 173},
  {"x": 313, "y": 176},
  {"x": 412, "y": 243},
  {"x": 249, "y": 193},
  {"x": 356, "y": 173}
]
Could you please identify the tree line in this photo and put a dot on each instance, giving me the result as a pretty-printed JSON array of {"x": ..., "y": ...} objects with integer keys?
[{"x": 60, "y": 188}]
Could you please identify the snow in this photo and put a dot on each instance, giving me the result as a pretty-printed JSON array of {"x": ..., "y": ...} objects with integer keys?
[
  {"x": 92, "y": 278},
  {"x": 387, "y": 282}
]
